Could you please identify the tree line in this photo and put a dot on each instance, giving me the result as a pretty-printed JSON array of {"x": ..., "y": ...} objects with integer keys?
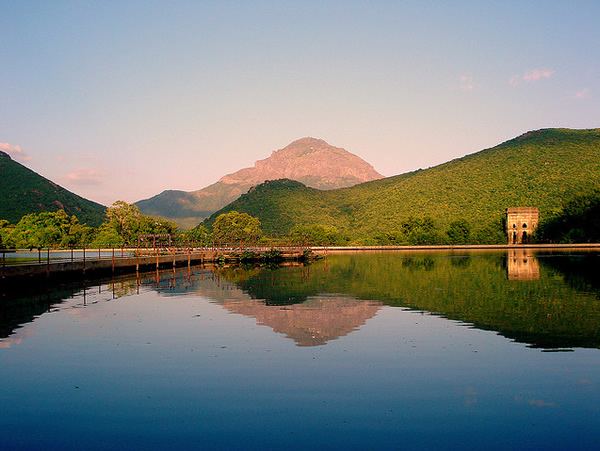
[{"x": 124, "y": 224}]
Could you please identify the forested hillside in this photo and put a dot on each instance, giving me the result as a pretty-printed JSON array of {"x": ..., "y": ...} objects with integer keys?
[
  {"x": 544, "y": 168},
  {"x": 23, "y": 191}
]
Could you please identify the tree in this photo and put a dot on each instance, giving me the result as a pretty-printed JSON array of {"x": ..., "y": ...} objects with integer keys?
[
  {"x": 459, "y": 232},
  {"x": 198, "y": 235},
  {"x": 5, "y": 230},
  {"x": 493, "y": 232},
  {"x": 124, "y": 218},
  {"x": 419, "y": 231},
  {"x": 37, "y": 230},
  {"x": 236, "y": 227},
  {"x": 107, "y": 236},
  {"x": 154, "y": 225},
  {"x": 577, "y": 222},
  {"x": 316, "y": 235},
  {"x": 75, "y": 234},
  {"x": 128, "y": 222}
]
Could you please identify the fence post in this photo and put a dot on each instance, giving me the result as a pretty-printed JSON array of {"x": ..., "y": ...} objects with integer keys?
[{"x": 113, "y": 259}]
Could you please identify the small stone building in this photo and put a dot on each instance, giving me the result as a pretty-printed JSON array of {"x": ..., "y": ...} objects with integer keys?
[{"x": 521, "y": 223}]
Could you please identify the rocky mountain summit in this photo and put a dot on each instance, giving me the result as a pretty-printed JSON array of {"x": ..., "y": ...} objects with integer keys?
[{"x": 311, "y": 161}]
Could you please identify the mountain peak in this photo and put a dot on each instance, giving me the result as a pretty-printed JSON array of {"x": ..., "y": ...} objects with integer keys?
[
  {"x": 309, "y": 144},
  {"x": 311, "y": 161},
  {"x": 307, "y": 141},
  {"x": 308, "y": 160},
  {"x": 4, "y": 155}
]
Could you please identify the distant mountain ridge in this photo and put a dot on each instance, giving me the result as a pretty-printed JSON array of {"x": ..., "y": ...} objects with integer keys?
[
  {"x": 311, "y": 161},
  {"x": 24, "y": 191},
  {"x": 543, "y": 168}
]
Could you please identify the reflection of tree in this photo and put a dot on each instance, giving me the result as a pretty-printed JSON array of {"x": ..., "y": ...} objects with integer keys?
[
  {"x": 122, "y": 288},
  {"x": 579, "y": 271},
  {"x": 545, "y": 312},
  {"x": 560, "y": 309},
  {"x": 31, "y": 301}
]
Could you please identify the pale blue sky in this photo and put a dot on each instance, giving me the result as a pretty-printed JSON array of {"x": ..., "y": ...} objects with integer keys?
[{"x": 120, "y": 100}]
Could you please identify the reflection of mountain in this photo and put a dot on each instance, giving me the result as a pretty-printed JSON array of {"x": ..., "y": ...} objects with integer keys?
[
  {"x": 308, "y": 321},
  {"x": 557, "y": 308},
  {"x": 312, "y": 323}
]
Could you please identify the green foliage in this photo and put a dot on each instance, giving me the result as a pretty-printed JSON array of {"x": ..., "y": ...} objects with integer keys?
[
  {"x": 235, "y": 227},
  {"x": 248, "y": 256},
  {"x": 459, "y": 232},
  {"x": 543, "y": 169},
  {"x": 5, "y": 231},
  {"x": 316, "y": 235},
  {"x": 272, "y": 256},
  {"x": 24, "y": 191},
  {"x": 420, "y": 231},
  {"x": 126, "y": 221},
  {"x": 578, "y": 222},
  {"x": 47, "y": 229},
  {"x": 199, "y": 235},
  {"x": 107, "y": 236}
]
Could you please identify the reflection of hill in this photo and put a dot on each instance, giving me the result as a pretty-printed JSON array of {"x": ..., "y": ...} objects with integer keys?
[
  {"x": 309, "y": 322},
  {"x": 312, "y": 323},
  {"x": 544, "y": 313},
  {"x": 580, "y": 271},
  {"x": 560, "y": 308},
  {"x": 21, "y": 309},
  {"x": 36, "y": 298}
]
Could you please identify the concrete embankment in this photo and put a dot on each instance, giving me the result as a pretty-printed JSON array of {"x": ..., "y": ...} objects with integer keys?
[{"x": 458, "y": 248}]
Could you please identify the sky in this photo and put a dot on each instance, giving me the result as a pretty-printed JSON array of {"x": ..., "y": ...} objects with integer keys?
[{"x": 124, "y": 99}]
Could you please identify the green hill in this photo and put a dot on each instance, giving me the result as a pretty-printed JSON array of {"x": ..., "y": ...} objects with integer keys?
[
  {"x": 24, "y": 191},
  {"x": 545, "y": 168}
]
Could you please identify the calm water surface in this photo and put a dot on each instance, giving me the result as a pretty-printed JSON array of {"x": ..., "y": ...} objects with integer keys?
[{"x": 376, "y": 351}]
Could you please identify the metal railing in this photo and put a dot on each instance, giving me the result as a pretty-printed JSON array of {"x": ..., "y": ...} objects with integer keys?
[{"x": 47, "y": 256}]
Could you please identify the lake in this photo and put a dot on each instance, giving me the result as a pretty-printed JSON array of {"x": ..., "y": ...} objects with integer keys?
[{"x": 494, "y": 350}]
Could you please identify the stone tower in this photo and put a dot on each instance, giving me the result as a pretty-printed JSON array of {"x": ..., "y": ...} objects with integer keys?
[{"x": 521, "y": 222}]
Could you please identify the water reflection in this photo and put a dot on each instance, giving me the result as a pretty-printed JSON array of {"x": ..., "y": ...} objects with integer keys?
[
  {"x": 311, "y": 323},
  {"x": 176, "y": 358},
  {"x": 522, "y": 265},
  {"x": 545, "y": 300}
]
